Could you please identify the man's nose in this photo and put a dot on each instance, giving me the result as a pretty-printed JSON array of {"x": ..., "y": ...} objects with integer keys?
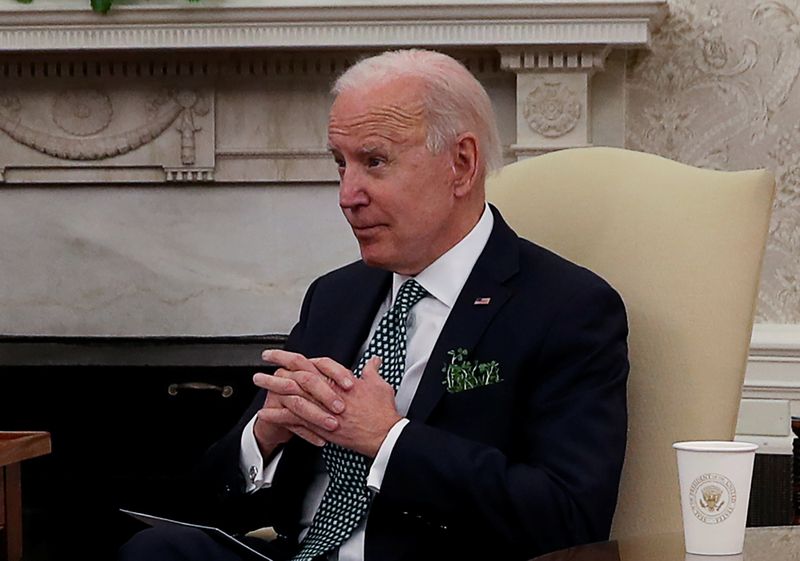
[{"x": 351, "y": 189}]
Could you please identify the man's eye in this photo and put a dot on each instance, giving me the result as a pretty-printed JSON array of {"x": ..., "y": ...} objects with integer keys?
[
  {"x": 375, "y": 162},
  {"x": 339, "y": 163}
]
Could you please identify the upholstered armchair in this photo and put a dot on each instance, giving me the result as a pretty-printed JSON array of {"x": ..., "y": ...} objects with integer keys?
[{"x": 683, "y": 246}]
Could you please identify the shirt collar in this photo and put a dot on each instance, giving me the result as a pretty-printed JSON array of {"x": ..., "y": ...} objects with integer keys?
[{"x": 445, "y": 277}]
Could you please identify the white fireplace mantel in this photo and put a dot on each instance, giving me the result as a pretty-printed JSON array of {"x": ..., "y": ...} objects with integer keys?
[
  {"x": 225, "y": 24},
  {"x": 164, "y": 168},
  {"x": 150, "y": 67}
]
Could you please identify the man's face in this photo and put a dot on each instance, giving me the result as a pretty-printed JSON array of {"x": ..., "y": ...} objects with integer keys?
[{"x": 396, "y": 195}]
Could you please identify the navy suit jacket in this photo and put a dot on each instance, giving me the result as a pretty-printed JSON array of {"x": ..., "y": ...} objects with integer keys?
[{"x": 505, "y": 471}]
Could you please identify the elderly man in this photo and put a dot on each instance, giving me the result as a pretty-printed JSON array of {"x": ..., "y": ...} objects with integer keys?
[{"x": 459, "y": 393}]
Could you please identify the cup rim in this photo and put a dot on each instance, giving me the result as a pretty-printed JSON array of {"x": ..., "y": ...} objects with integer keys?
[{"x": 720, "y": 446}]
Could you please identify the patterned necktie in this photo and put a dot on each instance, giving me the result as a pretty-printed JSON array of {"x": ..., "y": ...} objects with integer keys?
[{"x": 346, "y": 498}]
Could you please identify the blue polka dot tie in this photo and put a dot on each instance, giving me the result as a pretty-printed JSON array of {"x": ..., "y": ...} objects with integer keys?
[{"x": 347, "y": 498}]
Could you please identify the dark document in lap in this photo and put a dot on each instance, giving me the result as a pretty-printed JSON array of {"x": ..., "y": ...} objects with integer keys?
[{"x": 233, "y": 542}]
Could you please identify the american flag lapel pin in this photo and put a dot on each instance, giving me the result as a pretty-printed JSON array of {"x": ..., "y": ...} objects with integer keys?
[{"x": 483, "y": 301}]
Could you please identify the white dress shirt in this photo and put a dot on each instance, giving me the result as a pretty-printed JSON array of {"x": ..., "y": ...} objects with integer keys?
[{"x": 443, "y": 279}]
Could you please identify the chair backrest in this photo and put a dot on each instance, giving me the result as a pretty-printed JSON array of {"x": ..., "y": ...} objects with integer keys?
[{"x": 683, "y": 246}]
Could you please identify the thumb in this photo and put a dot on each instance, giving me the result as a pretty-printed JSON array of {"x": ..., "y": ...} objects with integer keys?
[{"x": 370, "y": 371}]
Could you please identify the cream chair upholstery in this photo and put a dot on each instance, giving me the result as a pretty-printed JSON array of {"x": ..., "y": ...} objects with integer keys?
[{"x": 683, "y": 246}]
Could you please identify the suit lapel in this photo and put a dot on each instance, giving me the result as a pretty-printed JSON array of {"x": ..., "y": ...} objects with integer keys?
[
  {"x": 353, "y": 312},
  {"x": 467, "y": 321}
]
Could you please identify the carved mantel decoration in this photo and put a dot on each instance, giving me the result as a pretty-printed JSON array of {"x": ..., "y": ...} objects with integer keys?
[{"x": 236, "y": 91}]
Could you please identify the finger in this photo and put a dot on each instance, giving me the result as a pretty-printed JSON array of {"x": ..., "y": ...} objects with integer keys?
[
  {"x": 308, "y": 435},
  {"x": 264, "y": 380},
  {"x": 316, "y": 387},
  {"x": 371, "y": 371},
  {"x": 295, "y": 423},
  {"x": 288, "y": 420},
  {"x": 259, "y": 379},
  {"x": 288, "y": 360},
  {"x": 277, "y": 384},
  {"x": 310, "y": 414},
  {"x": 278, "y": 416},
  {"x": 343, "y": 377},
  {"x": 305, "y": 384}
]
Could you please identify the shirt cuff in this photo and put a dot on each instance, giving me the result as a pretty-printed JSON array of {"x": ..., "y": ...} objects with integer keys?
[
  {"x": 378, "y": 469},
  {"x": 251, "y": 462}
]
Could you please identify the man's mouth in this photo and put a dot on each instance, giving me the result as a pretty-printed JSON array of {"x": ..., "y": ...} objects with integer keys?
[{"x": 365, "y": 228}]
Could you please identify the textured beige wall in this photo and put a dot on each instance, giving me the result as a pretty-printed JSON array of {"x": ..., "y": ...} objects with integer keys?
[{"x": 720, "y": 90}]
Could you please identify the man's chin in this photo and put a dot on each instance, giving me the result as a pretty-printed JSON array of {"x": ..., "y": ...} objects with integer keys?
[
  {"x": 372, "y": 256},
  {"x": 387, "y": 264},
  {"x": 374, "y": 261}
]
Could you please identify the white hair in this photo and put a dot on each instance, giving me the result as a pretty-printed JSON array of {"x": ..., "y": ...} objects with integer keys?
[{"x": 453, "y": 100}]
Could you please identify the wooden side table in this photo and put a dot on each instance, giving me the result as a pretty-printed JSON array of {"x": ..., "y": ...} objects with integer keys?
[{"x": 14, "y": 448}]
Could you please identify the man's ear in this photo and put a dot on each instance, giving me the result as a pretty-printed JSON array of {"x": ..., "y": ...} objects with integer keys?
[{"x": 465, "y": 164}]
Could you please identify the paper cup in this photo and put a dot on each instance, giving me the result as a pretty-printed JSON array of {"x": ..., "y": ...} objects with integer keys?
[
  {"x": 715, "y": 481},
  {"x": 695, "y": 557}
]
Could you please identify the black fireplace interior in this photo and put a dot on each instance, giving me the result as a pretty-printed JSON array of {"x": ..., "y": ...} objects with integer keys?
[{"x": 129, "y": 419}]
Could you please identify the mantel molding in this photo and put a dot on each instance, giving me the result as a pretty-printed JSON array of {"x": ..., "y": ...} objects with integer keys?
[
  {"x": 145, "y": 93},
  {"x": 245, "y": 24},
  {"x": 772, "y": 370},
  {"x": 775, "y": 340}
]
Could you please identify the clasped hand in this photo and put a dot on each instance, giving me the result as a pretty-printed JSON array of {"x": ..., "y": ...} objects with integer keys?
[{"x": 319, "y": 400}]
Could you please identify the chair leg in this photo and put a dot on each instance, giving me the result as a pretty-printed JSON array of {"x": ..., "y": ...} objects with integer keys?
[{"x": 13, "y": 512}]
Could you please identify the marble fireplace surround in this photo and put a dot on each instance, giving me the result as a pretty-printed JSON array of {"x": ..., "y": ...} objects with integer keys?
[
  {"x": 178, "y": 55},
  {"x": 131, "y": 143}
]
